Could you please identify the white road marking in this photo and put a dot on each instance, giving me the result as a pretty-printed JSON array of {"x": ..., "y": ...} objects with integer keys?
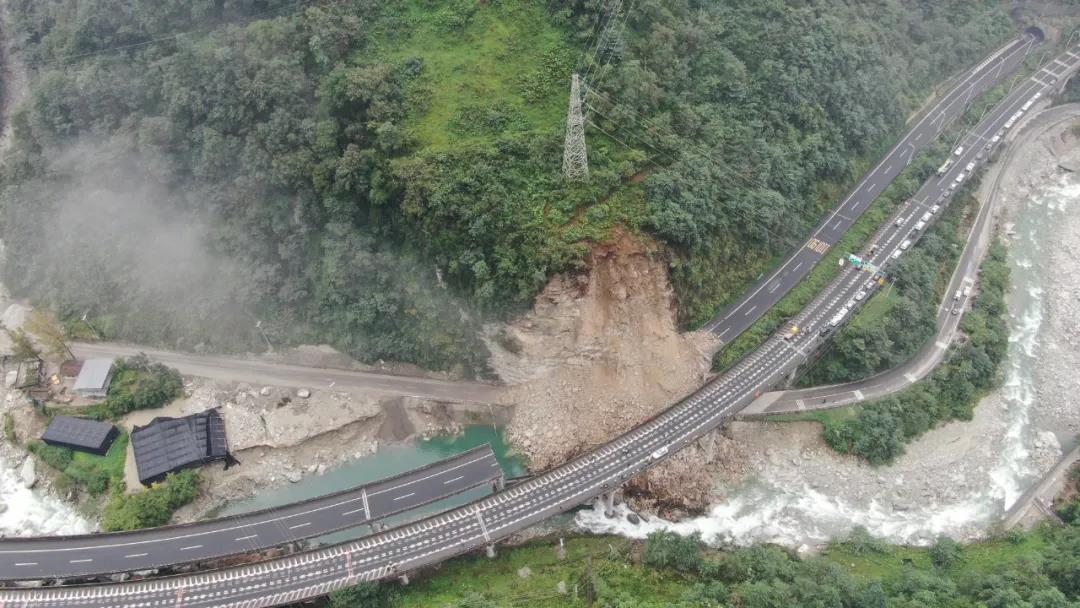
[
  {"x": 450, "y": 481},
  {"x": 81, "y": 561},
  {"x": 26, "y": 563},
  {"x": 191, "y": 547},
  {"x": 752, "y": 309},
  {"x": 775, "y": 286},
  {"x": 405, "y": 496},
  {"x": 353, "y": 511},
  {"x": 303, "y": 525},
  {"x": 249, "y": 536},
  {"x": 136, "y": 555}
]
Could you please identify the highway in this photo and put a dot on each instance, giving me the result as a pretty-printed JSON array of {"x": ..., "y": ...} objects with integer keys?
[
  {"x": 485, "y": 521},
  {"x": 738, "y": 317},
  {"x": 70, "y": 556},
  {"x": 933, "y": 353}
]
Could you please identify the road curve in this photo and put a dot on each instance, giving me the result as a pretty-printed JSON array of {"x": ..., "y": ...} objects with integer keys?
[
  {"x": 738, "y": 317},
  {"x": 281, "y": 374},
  {"x": 933, "y": 353},
  {"x": 91, "y": 554},
  {"x": 310, "y": 574}
]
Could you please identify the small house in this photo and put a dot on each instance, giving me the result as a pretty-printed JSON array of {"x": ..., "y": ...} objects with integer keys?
[
  {"x": 94, "y": 378},
  {"x": 81, "y": 434}
]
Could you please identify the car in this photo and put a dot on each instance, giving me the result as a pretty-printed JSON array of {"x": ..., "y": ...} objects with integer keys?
[
  {"x": 941, "y": 199},
  {"x": 959, "y": 178},
  {"x": 660, "y": 453},
  {"x": 959, "y": 151},
  {"x": 900, "y": 220},
  {"x": 896, "y": 254},
  {"x": 988, "y": 146},
  {"x": 870, "y": 284},
  {"x": 935, "y": 208},
  {"x": 980, "y": 155},
  {"x": 970, "y": 167},
  {"x": 859, "y": 297},
  {"x": 997, "y": 136},
  {"x": 956, "y": 296},
  {"x": 905, "y": 244},
  {"x": 926, "y": 216},
  {"x": 955, "y": 310},
  {"x": 967, "y": 291},
  {"x": 920, "y": 225}
]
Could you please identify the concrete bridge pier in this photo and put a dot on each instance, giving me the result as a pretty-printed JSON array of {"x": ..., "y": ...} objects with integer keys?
[
  {"x": 607, "y": 501},
  {"x": 498, "y": 484}
]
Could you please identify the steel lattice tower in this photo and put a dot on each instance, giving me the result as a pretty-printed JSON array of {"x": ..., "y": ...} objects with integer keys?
[{"x": 575, "y": 160}]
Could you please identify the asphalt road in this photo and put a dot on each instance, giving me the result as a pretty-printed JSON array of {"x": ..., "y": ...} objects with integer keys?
[
  {"x": 316, "y": 378},
  {"x": 310, "y": 574},
  {"x": 928, "y": 357},
  {"x": 738, "y": 317},
  {"x": 62, "y": 557}
]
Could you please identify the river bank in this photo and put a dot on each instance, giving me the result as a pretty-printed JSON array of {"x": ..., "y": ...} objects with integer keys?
[{"x": 959, "y": 478}]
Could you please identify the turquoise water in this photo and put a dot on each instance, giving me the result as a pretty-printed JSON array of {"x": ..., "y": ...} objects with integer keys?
[{"x": 388, "y": 461}]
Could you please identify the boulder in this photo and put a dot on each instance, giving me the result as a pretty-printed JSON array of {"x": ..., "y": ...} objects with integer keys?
[
  {"x": 293, "y": 476},
  {"x": 303, "y": 393},
  {"x": 265, "y": 391},
  {"x": 28, "y": 473}
]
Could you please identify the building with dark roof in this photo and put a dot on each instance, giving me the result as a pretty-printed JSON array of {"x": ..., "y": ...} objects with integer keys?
[
  {"x": 171, "y": 444},
  {"x": 94, "y": 378},
  {"x": 80, "y": 434}
]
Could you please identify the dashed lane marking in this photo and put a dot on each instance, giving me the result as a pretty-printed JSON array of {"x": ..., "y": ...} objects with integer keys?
[
  {"x": 450, "y": 481},
  {"x": 404, "y": 496},
  {"x": 248, "y": 537},
  {"x": 136, "y": 555}
]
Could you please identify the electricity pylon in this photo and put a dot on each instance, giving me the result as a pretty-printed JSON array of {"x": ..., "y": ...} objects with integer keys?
[{"x": 575, "y": 159}]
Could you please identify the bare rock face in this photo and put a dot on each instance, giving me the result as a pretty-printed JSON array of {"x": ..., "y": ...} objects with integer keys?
[{"x": 599, "y": 353}]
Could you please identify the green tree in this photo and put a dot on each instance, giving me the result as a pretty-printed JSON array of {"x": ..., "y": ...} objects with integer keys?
[{"x": 666, "y": 549}]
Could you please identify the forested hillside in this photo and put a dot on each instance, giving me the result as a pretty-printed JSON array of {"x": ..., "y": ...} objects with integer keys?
[{"x": 385, "y": 176}]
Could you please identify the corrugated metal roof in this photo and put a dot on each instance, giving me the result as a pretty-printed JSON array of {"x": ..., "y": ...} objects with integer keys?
[
  {"x": 94, "y": 374},
  {"x": 81, "y": 432},
  {"x": 169, "y": 444}
]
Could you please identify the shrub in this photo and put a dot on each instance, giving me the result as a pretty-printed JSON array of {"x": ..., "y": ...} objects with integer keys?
[
  {"x": 55, "y": 456},
  {"x": 666, "y": 549},
  {"x": 9, "y": 427},
  {"x": 141, "y": 384},
  {"x": 153, "y": 506}
]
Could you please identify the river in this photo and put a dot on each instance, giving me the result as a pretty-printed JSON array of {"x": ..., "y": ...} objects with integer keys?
[{"x": 957, "y": 480}]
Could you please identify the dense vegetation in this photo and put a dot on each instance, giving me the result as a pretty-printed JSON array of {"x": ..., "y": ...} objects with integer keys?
[
  {"x": 152, "y": 506},
  {"x": 879, "y": 430},
  {"x": 138, "y": 384},
  {"x": 385, "y": 176},
  {"x": 1033, "y": 570},
  {"x": 898, "y": 320},
  {"x": 82, "y": 470}
]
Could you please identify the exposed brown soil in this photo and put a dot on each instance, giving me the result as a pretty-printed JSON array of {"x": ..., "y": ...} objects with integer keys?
[{"x": 599, "y": 353}]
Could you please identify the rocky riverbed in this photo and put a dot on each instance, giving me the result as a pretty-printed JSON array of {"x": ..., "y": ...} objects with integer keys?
[{"x": 957, "y": 479}]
